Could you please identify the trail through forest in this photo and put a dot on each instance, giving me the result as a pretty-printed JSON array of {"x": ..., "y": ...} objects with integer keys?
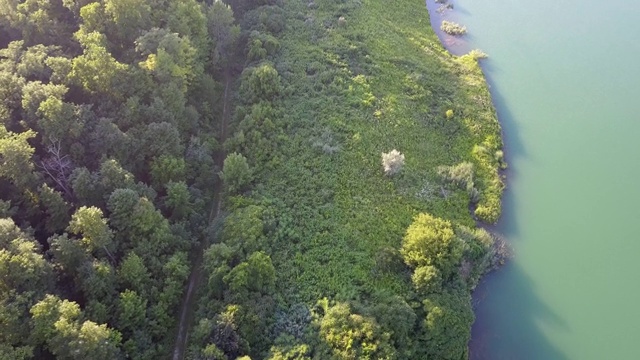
[{"x": 186, "y": 309}]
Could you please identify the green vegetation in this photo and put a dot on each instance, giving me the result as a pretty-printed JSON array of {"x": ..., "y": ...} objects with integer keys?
[
  {"x": 110, "y": 114},
  {"x": 281, "y": 180},
  {"x": 452, "y": 28}
]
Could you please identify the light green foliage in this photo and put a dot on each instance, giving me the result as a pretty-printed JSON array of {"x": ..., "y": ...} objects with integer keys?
[
  {"x": 22, "y": 266},
  {"x": 351, "y": 336},
  {"x": 462, "y": 176},
  {"x": 10, "y": 93},
  {"x": 91, "y": 224},
  {"x": 34, "y": 93},
  {"x": 426, "y": 279},
  {"x": 15, "y": 157},
  {"x": 96, "y": 70},
  {"x": 299, "y": 352},
  {"x": 60, "y": 68},
  {"x": 57, "y": 322},
  {"x": 59, "y": 121},
  {"x": 211, "y": 351},
  {"x": 235, "y": 174},
  {"x": 188, "y": 19},
  {"x": 431, "y": 241},
  {"x": 170, "y": 59}
]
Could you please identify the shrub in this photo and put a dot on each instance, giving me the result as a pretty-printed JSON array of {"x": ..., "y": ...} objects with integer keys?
[
  {"x": 478, "y": 54},
  {"x": 449, "y": 114},
  {"x": 452, "y": 28},
  {"x": 392, "y": 162},
  {"x": 460, "y": 175}
]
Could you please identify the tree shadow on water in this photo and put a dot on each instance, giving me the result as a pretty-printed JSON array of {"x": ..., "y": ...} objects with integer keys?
[{"x": 510, "y": 315}]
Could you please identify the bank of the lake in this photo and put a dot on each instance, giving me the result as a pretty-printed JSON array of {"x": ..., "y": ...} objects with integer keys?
[{"x": 564, "y": 82}]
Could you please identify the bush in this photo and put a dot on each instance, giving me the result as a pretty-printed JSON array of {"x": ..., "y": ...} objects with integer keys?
[
  {"x": 392, "y": 162},
  {"x": 452, "y": 28},
  {"x": 478, "y": 54},
  {"x": 460, "y": 175}
]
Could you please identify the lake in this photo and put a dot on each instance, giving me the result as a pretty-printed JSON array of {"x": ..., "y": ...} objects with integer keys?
[{"x": 565, "y": 80}]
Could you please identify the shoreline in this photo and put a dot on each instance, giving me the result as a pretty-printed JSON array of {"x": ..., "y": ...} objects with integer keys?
[{"x": 459, "y": 46}]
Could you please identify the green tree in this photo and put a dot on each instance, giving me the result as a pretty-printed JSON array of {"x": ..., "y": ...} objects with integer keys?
[
  {"x": 132, "y": 311},
  {"x": 243, "y": 230},
  {"x": 92, "y": 225},
  {"x": 235, "y": 173},
  {"x": 15, "y": 157},
  {"x": 352, "y": 336},
  {"x": 57, "y": 324},
  {"x": 260, "y": 83},
  {"x": 68, "y": 254},
  {"x": 165, "y": 169},
  {"x": 223, "y": 33},
  {"x": 257, "y": 274},
  {"x": 56, "y": 208},
  {"x": 22, "y": 266},
  {"x": 134, "y": 275},
  {"x": 129, "y": 18},
  {"x": 431, "y": 241},
  {"x": 34, "y": 93},
  {"x": 178, "y": 200},
  {"x": 96, "y": 70}
]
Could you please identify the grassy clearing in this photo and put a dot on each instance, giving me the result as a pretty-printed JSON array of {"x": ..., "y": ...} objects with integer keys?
[{"x": 378, "y": 81}]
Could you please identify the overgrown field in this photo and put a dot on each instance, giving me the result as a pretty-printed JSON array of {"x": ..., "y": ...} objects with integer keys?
[{"x": 322, "y": 254}]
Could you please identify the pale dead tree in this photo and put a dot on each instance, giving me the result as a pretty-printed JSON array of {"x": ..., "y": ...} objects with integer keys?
[
  {"x": 57, "y": 165},
  {"x": 392, "y": 162}
]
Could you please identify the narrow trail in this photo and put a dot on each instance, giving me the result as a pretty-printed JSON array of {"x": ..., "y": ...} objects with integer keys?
[{"x": 187, "y": 307}]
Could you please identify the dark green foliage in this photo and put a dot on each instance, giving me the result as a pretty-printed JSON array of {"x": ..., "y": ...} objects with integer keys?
[{"x": 446, "y": 325}]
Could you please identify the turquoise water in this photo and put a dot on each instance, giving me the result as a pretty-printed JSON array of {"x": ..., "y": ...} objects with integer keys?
[{"x": 565, "y": 78}]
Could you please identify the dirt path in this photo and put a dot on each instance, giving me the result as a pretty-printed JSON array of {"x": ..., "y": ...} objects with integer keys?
[{"x": 187, "y": 307}]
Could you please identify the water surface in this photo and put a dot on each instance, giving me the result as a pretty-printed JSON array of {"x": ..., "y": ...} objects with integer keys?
[{"x": 565, "y": 79}]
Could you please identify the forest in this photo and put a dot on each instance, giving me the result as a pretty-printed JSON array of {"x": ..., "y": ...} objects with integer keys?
[{"x": 257, "y": 179}]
